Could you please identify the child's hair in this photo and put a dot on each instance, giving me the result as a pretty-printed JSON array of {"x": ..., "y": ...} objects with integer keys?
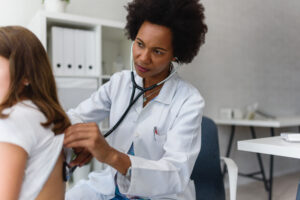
[{"x": 28, "y": 61}]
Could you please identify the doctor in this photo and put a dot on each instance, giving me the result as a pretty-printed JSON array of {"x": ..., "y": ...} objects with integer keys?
[{"x": 151, "y": 154}]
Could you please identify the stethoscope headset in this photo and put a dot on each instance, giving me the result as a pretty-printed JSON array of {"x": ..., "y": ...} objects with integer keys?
[{"x": 142, "y": 90}]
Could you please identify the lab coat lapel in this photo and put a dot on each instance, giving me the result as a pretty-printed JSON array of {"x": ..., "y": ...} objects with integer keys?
[
  {"x": 168, "y": 90},
  {"x": 165, "y": 96}
]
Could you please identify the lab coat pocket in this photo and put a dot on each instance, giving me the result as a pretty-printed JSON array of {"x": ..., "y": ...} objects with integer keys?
[{"x": 160, "y": 139}]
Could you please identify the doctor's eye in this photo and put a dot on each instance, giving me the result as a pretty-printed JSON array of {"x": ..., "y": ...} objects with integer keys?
[
  {"x": 158, "y": 52},
  {"x": 140, "y": 44}
]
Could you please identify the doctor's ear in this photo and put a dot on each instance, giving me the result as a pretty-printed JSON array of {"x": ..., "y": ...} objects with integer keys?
[{"x": 175, "y": 59}]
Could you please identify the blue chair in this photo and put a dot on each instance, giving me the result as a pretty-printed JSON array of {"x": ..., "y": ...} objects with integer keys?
[
  {"x": 207, "y": 173},
  {"x": 298, "y": 192}
]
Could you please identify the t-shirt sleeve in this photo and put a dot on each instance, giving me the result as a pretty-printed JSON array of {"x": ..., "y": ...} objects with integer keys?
[{"x": 17, "y": 132}]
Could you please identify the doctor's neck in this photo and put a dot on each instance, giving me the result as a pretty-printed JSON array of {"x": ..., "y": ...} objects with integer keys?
[
  {"x": 150, "y": 81},
  {"x": 154, "y": 79}
]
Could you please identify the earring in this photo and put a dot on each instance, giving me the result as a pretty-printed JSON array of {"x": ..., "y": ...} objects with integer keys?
[{"x": 176, "y": 59}]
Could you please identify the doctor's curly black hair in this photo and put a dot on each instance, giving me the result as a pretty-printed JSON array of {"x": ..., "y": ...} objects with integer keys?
[{"x": 185, "y": 18}]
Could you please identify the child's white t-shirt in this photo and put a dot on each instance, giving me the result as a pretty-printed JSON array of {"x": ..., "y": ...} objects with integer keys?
[{"x": 23, "y": 128}]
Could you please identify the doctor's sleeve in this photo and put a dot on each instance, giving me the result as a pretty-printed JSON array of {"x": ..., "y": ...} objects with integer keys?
[
  {"x": 171, "y": 174},
  {"x": 94, "y": 109}
]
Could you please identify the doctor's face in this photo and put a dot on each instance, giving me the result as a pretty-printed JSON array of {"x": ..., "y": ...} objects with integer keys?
[
  {"x": 4, "y": 77},
  {"x": 153, "y": 52}
]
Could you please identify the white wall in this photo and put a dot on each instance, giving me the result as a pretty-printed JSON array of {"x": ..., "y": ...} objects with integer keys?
[
  {"x": 251, "y": 55},
  {"x": 19, "y": 12},
  {"x": 107, "y": 9}
]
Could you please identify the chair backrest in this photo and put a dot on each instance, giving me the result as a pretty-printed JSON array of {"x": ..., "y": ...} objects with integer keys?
[
  {"x": 207, "y": 173},
  {"x": 298, "y": 192}
]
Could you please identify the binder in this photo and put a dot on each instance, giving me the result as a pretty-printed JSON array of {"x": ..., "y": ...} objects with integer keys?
[
  {"x": 57, "y": 50},
  {"x": 79, "y": 67},
  {"x": 69, "y": 46},
  {"x": 90, "y": 67}
]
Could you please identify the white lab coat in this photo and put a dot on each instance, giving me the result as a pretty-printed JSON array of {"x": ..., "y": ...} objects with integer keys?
[{"x": 163, "y": 162}]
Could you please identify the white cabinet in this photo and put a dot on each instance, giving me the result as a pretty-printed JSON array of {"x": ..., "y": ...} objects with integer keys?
[{"x": 109, "y": 50}]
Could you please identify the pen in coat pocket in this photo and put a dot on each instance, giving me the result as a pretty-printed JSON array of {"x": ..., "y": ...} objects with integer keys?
[{"x": 155, "y": 132}]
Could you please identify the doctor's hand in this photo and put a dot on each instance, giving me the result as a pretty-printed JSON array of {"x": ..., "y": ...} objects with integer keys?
[
  {"x": 83, "y": 156},
  {"x": 87, "y": 137}
]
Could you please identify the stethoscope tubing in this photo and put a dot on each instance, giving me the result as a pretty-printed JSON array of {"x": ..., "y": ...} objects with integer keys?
[
  {"x": 134, "y": 87},
  {"x": 132, "y": 102}
]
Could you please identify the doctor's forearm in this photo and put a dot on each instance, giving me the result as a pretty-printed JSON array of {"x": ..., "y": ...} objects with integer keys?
[{"x": 119, "y": 161}]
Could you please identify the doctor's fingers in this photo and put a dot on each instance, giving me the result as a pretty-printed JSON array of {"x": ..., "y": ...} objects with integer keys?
[
  {"x": 83, "y": 142},
  {"x": 82, "y": 158},
  {"x": 83, "y": 127},
  {"x": 98, "y": 149},
  {"x": 78, "y": 136},
  {"x": 82, "y": 130},
  {"x": 86, "y": 159}
]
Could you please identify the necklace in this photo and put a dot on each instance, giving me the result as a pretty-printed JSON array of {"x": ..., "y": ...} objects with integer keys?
[{"x": 145, "y": 98}]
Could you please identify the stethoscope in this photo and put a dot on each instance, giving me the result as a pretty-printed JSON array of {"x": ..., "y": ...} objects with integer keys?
[
  {"x": 142, "y": 91},
  {"x": 68, "y": 171}
]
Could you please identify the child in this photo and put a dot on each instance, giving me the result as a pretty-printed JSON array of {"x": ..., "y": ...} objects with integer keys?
[{"x": 31, "y": 120}]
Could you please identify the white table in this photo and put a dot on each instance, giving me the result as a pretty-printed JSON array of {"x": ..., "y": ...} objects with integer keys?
[
  {"x": 271, "y": 124},
  {"x": 273, "y": 146},
  {"x": 274, "y": 123}
]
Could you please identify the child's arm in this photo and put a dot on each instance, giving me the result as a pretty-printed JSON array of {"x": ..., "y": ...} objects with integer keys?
[{"x": 13, "y": 161}]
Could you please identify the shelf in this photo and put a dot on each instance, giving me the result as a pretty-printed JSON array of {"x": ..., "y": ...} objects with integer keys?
[
  {"x": 112, "y": 46},
  {"x": 105, "y": 76},
  {"x": 112, "y": 50}
]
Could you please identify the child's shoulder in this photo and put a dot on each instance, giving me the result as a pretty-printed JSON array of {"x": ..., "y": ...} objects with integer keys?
[{"x": 23, "y": 112}]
